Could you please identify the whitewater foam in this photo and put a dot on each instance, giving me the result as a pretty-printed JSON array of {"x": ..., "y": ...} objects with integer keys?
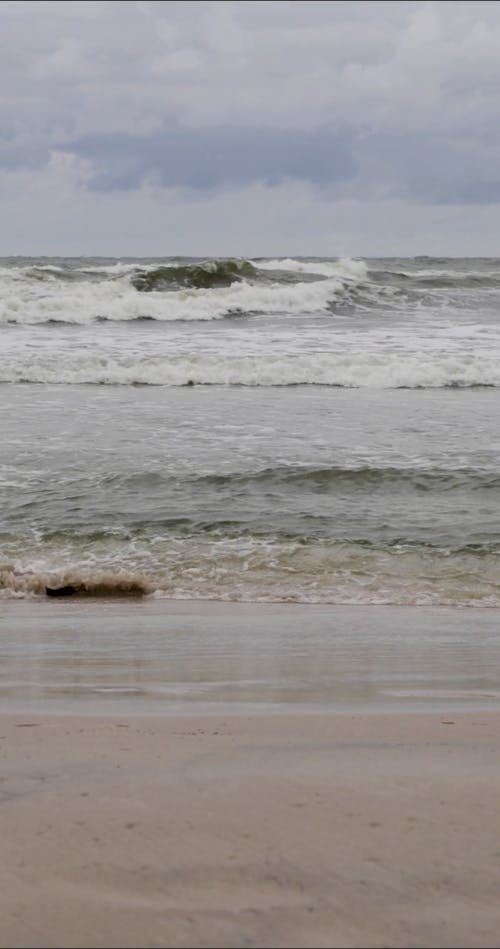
[
  {"x": 257, "y": 570},
  {"x": 344, "y": 269},
  {"x": 118, "y": 300},
  {"x": 357, "y": 370}
]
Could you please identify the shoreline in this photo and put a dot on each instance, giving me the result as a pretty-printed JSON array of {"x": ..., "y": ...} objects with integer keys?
[
  {"x": 171, "y": 657},
  {"x": 269, "y": 830}
]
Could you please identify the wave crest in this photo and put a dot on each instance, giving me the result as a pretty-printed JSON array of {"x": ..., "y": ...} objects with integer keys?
[{"x": 212, "y": 273}]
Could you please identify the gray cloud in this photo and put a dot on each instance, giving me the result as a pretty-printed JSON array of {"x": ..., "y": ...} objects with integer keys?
[
  {"x": 447, "y": 168},
  {"x": 217, "y": 158},
  {"x": 361, "y": 103},
  {"x": 341, "y": 163}
]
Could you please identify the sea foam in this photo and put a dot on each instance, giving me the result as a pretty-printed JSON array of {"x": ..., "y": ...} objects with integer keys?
[
  {"x": 356, "y": 370},
  {"x": 119, "y": 301}
]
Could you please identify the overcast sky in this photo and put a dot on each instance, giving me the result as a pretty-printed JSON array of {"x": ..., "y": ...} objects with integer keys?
[{"x": 249, "y": 128}]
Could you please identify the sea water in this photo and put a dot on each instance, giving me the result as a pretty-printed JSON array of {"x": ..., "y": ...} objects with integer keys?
[{"x": 320, "y": 431}]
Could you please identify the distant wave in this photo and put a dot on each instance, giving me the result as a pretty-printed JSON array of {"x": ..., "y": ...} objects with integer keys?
[
  {"x": 436, "y": 279},
  {"x": 344, "y": 268},
  {"x": 183, "y": 270}
]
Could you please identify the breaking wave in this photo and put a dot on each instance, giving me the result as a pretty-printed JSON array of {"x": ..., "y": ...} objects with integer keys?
[
  {"x": 274, "y": 570},
  {"x": 212, "y": 273},
  {"x": 345, "y": 268},
  {"x": 289, "y": 321},
  {"x": 81, "y": 292},
  {"x": 72, "y": 582},
  {"x": 84, "y": 303}
]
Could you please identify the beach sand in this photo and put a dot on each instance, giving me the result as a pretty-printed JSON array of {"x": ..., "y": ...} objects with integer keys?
[{"x": 302, "y": 829}]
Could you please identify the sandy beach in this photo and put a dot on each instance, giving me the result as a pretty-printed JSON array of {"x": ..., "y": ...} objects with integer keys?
[
  {"x": 204, "y": 774},
  {"x": 249, "y": 475},
  {"x": 334, "y": 830}
]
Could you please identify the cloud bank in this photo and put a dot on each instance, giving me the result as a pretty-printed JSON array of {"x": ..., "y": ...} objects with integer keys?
[{"x": 249, "y": 128}]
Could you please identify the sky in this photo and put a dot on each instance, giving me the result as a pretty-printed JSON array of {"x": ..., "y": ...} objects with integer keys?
[{"x": 252, "y": 128}]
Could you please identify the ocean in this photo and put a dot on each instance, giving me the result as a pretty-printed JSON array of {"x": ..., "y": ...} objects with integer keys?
[{"x": 312, "y": 431}]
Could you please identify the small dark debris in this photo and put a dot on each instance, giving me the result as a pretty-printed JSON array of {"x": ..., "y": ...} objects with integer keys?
[{"x": 67, "y": 590}]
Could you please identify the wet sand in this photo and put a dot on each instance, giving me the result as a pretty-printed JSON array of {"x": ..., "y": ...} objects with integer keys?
[
  {"x": 165, "y": 656},
  {"x": 330, "y": 830},
  {"x": 229, "y": 775}
]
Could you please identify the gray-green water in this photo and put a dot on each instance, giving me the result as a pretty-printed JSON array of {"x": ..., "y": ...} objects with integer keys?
[{"x": 316, "y": 431}]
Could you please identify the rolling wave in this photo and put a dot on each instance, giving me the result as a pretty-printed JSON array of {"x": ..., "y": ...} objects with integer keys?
[
  {"x": 82, "y": 302},
  {"x": 82, "y": 292},
  {"x": 331, "y": 478},
  {"x": 212, "y": 273}
]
